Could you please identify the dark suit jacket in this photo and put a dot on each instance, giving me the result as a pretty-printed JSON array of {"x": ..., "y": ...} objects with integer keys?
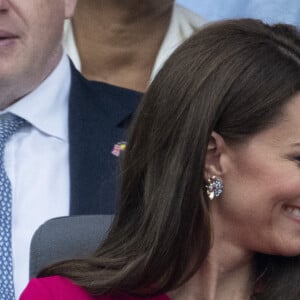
[{"x": 98, "y": 117}]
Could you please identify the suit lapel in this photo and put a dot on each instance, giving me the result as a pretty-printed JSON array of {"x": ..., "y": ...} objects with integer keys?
[{"x": 98, "y": 117}]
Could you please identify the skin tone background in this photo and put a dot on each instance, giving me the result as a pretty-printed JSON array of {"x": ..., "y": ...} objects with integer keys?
[{"x": 121, "y": 51}]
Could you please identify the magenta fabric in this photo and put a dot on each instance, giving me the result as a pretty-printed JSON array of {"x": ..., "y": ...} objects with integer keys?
[{"x": 60, "y": 288}]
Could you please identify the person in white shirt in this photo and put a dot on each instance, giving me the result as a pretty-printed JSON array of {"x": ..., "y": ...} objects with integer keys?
[
  {"x": 60, "y": 163},
  {"x": 126, "y": 42}
]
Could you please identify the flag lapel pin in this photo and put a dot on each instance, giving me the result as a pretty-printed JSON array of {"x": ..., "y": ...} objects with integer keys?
[{"x": 118, "y": 148}]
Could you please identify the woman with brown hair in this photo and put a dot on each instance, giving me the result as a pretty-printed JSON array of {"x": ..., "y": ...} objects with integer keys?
[{"x": 210, "y": 201}]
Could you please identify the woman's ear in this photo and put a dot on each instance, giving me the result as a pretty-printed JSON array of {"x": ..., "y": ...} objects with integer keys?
[{"x": 213, "y": 160}]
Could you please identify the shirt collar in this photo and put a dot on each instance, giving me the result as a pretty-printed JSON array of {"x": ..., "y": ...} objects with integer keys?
[
  {"x": 46, "y": 107},
  {"x": 70, "y": 44},
  {"x": 182, "y": 25}
]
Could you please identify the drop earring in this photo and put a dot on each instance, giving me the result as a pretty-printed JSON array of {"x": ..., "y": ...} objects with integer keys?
[{"x": 214, "y": 188}]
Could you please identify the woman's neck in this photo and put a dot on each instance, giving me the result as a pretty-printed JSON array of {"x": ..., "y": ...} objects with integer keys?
[
  {"x": 226, "y": 274},
  {"x": 118, "y": 40}
]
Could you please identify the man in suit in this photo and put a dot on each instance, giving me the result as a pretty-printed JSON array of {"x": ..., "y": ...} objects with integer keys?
[{"x": 60, "y": 161}]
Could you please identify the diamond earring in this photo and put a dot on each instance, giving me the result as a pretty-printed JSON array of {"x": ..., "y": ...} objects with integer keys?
[{"x": 214, "y": 188}]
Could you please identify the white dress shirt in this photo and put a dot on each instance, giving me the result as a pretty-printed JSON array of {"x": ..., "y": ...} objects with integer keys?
[
  {"x": 183, "y": 24},
  {"x": 37, "y": 164}
]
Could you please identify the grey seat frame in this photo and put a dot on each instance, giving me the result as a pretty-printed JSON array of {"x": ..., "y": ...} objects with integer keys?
[{"x": 65, "y": 238}]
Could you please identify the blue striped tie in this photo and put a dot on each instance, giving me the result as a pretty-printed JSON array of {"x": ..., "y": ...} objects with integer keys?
[{"x": 9, "y": 124}]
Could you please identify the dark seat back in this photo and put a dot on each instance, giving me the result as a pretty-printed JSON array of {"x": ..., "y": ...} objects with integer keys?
[{"x": 65, "y": 238}]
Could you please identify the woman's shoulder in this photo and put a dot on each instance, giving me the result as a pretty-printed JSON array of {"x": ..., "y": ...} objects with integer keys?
[
  {"x": 55, "y": 288},
  {"x": 58, "y": 287}
]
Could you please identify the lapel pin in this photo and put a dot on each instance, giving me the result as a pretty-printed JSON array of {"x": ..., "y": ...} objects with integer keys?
[{"x": 118, "y": 148}]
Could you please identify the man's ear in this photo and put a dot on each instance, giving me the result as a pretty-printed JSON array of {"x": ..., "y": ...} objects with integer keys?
[
  {"x": 214, "y": 156},
  {"x": 70, "y": 6}
]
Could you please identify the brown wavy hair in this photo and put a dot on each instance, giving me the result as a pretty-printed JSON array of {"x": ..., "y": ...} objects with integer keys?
[{"x": 233, "y": 77}]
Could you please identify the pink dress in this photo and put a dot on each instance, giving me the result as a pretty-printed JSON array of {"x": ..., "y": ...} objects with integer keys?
[{"x": 60, "y": 288}]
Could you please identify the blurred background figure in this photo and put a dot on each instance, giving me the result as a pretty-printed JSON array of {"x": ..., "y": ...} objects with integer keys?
[
  {"x": 126, "y": 42},
  {"x": 271, "y": 11}
]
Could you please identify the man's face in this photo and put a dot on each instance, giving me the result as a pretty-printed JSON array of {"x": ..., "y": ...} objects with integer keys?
[{"x": 30, "y": 43}]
